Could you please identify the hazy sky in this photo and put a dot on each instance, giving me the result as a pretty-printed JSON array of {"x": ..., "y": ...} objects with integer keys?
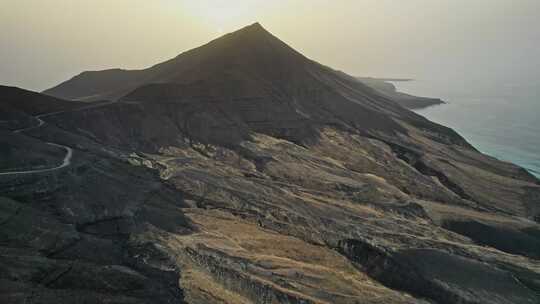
[{"x": 43, "y": 42}]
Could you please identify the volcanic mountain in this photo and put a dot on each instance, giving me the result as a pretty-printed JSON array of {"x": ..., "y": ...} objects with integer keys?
[
  {"x": 249, "y": 80},
  {"x": 244, "y": 172}
]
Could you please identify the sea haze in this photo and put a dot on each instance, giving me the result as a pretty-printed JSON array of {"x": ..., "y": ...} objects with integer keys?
[{"x": 501, "y": 120}]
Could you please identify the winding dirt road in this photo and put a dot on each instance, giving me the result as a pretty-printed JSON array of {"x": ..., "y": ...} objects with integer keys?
[
  {"x": 69, "y": 151},
  {"x": 66, "y": 162}
]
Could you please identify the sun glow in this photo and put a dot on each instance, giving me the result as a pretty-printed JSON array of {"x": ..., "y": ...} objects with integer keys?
[{"x": 225, "y": 16}]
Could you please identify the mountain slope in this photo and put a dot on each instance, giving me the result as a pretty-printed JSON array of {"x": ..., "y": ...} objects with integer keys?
[{"x": 243, "y": 172}]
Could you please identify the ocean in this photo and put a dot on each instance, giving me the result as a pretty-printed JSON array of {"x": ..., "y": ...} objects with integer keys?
[{"x": 501, "y": 120}]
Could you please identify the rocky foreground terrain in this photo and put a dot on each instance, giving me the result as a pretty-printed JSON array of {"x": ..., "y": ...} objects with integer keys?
[{"x": 243, "y": 172}]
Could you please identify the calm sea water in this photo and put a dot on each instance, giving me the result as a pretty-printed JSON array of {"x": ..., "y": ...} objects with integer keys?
[{"x": 500, "y": 120}]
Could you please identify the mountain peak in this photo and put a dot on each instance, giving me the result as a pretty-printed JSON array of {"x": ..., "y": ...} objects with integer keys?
[
  {"x": 250, "y": 48},
  {"x": 254, "y": 27},
  {"x": 252, "y": 30}
]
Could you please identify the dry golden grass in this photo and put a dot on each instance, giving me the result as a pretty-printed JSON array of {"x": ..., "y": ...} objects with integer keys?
[
  {"x": 200, "y": 287},
  {"x": 312, "y": 272}
]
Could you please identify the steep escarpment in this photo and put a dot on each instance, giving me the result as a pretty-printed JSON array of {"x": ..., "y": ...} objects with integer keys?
[{"x": 243, "y": 172}]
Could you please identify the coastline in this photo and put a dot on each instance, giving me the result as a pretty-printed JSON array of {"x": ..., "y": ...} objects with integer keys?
[
  {"x": 480, "y": 121},
  {"x": 387, "y": 88}
]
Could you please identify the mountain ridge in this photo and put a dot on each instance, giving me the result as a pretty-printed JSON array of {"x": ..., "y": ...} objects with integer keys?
[{"x": 137, "y": 76}]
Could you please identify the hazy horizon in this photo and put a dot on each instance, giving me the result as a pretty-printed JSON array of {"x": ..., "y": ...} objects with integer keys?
[{"x": 456, "y": 42}]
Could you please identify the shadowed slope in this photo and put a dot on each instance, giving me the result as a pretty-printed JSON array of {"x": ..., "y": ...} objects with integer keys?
[
  {"x": 32, "y": 103},
  {"x": 253, "y": 80}
]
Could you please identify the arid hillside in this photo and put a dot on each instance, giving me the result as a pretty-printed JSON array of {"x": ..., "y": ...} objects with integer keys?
[{"x": 244, "y": 172}]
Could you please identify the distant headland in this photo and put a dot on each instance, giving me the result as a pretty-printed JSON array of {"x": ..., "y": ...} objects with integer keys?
[{"x": 385, "y": 87}]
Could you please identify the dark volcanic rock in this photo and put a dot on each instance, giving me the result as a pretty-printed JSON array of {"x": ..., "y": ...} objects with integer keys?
[
  {"x": 71, "y": 235},
  {"x": 441, "y": 276},
  {"x": 503, "y": 238},
  {"x": 243, "y": 172}
]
